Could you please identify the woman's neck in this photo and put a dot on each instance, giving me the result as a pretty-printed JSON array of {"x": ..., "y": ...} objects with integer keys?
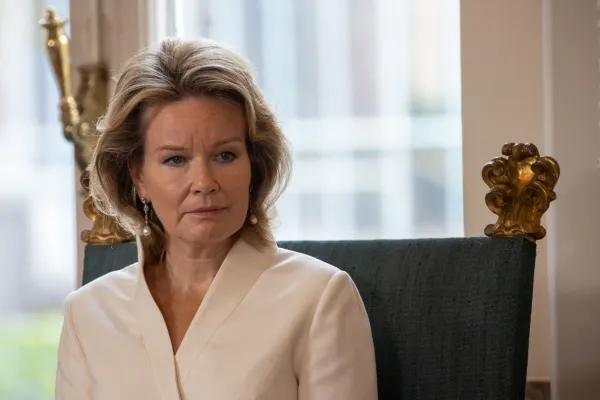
[{"x": 186, "y": 266}]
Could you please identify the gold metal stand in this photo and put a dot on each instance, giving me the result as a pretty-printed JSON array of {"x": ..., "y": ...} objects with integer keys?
[
  {"x": 521, "y": 190},
  {"x": 79, "y": 115}
]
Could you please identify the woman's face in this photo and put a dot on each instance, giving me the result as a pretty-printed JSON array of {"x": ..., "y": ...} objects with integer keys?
[{"x": 196, "y": 168}]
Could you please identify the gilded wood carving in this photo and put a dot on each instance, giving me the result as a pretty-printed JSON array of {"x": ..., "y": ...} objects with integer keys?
[{"x": 521, "y": 190}]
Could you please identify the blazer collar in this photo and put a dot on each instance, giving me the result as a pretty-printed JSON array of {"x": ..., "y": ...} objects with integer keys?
[{"x": 240, "y": 270}]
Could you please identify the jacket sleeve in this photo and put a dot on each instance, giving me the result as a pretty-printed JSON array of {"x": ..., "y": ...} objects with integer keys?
[
  {"x": 73, "y": 380},
  {"x": 338, "y": 360}
]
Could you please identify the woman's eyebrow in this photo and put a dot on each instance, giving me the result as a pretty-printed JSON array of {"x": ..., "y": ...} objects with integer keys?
[{"x": 169, "y": 147}]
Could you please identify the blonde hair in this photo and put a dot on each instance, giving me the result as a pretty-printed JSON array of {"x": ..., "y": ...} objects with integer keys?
[{"x": 176, "y": 70}]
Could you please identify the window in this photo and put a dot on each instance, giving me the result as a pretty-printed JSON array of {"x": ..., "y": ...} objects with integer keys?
[
  {"x": 37, "y": 201},
  {"x": 368, "y": 93}
]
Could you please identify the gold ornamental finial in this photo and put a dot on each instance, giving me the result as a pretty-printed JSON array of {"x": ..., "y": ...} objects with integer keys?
[
  {"x": 79, "y": 115},
  {"x": 521, "y": 190},
  {"x": 57, "y": 45}
]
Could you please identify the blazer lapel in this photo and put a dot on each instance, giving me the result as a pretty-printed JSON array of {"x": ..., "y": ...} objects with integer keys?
[
  {"x": 238, "y": 273},
  {"x": 156, "y": 336}
]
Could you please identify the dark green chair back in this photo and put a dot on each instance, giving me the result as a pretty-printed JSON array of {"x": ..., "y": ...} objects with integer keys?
[{"x": 450, "y": 317}]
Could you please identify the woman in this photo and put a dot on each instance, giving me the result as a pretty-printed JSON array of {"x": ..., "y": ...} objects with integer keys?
[{"x": 191, "y": 160}]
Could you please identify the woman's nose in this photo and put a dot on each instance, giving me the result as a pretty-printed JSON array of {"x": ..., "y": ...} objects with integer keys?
[{"x": 203, "y": 178}]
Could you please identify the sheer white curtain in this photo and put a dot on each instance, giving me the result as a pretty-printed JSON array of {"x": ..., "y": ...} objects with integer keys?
[
  {"x": 368, "y": 93},
  {"x": 37, "y": 202}
]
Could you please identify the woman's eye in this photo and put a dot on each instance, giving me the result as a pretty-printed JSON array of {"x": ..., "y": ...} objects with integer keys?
[
  {"x": 226, "y": 156},
  {"x": 175, "y": 160}
]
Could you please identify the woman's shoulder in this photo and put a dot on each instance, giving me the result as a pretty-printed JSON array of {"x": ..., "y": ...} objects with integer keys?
[
  {"x": 302, "y": 267},
  {"x": 113, "y": 284},
  {"x": 308, "y": 282}
]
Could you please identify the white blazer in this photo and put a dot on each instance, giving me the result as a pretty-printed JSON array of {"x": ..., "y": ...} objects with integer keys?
[{"x": 274, "y": 325}]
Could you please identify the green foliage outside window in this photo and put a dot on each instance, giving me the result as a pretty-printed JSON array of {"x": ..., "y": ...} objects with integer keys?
[{"x": 28, "y": 352}]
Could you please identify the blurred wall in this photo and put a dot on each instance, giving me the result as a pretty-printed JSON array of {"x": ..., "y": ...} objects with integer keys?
[
  {"x": 503, "y": 101},
  {"x": 573, "y": 137},
  {"x": 530, "y": 73}
]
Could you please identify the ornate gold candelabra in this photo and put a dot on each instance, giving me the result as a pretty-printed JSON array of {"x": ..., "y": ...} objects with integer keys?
[
  {"x": 521, "y": 190},
  {"x": 78, "y": 115}
]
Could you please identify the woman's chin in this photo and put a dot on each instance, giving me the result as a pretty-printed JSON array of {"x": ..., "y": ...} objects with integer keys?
[{"x": 208, "y": 234}]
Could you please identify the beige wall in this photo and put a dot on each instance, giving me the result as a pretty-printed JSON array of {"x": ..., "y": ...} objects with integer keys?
[
  {"x": 573, "y": 133},
  {"x": 530, "y": 73},
  {"x": 502, "y": 101}
]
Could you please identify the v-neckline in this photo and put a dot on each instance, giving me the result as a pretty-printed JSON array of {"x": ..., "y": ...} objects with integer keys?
[
  {"x": 155, "y": 288},
  {"x": 236, "y": 276}
]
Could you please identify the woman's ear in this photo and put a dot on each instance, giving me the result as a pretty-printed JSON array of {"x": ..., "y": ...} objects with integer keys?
[{"x": 137, "y": 177}]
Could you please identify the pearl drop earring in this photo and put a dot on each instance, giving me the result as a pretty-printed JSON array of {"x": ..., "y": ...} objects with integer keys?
[
  {"x": 251, "y": 217},
  {"x": 253, "y": 220},
  {"x": 146, "y": 231}
]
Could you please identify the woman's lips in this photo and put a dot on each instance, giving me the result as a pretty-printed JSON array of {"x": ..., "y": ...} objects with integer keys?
[{"x": 207, "y": 211}]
